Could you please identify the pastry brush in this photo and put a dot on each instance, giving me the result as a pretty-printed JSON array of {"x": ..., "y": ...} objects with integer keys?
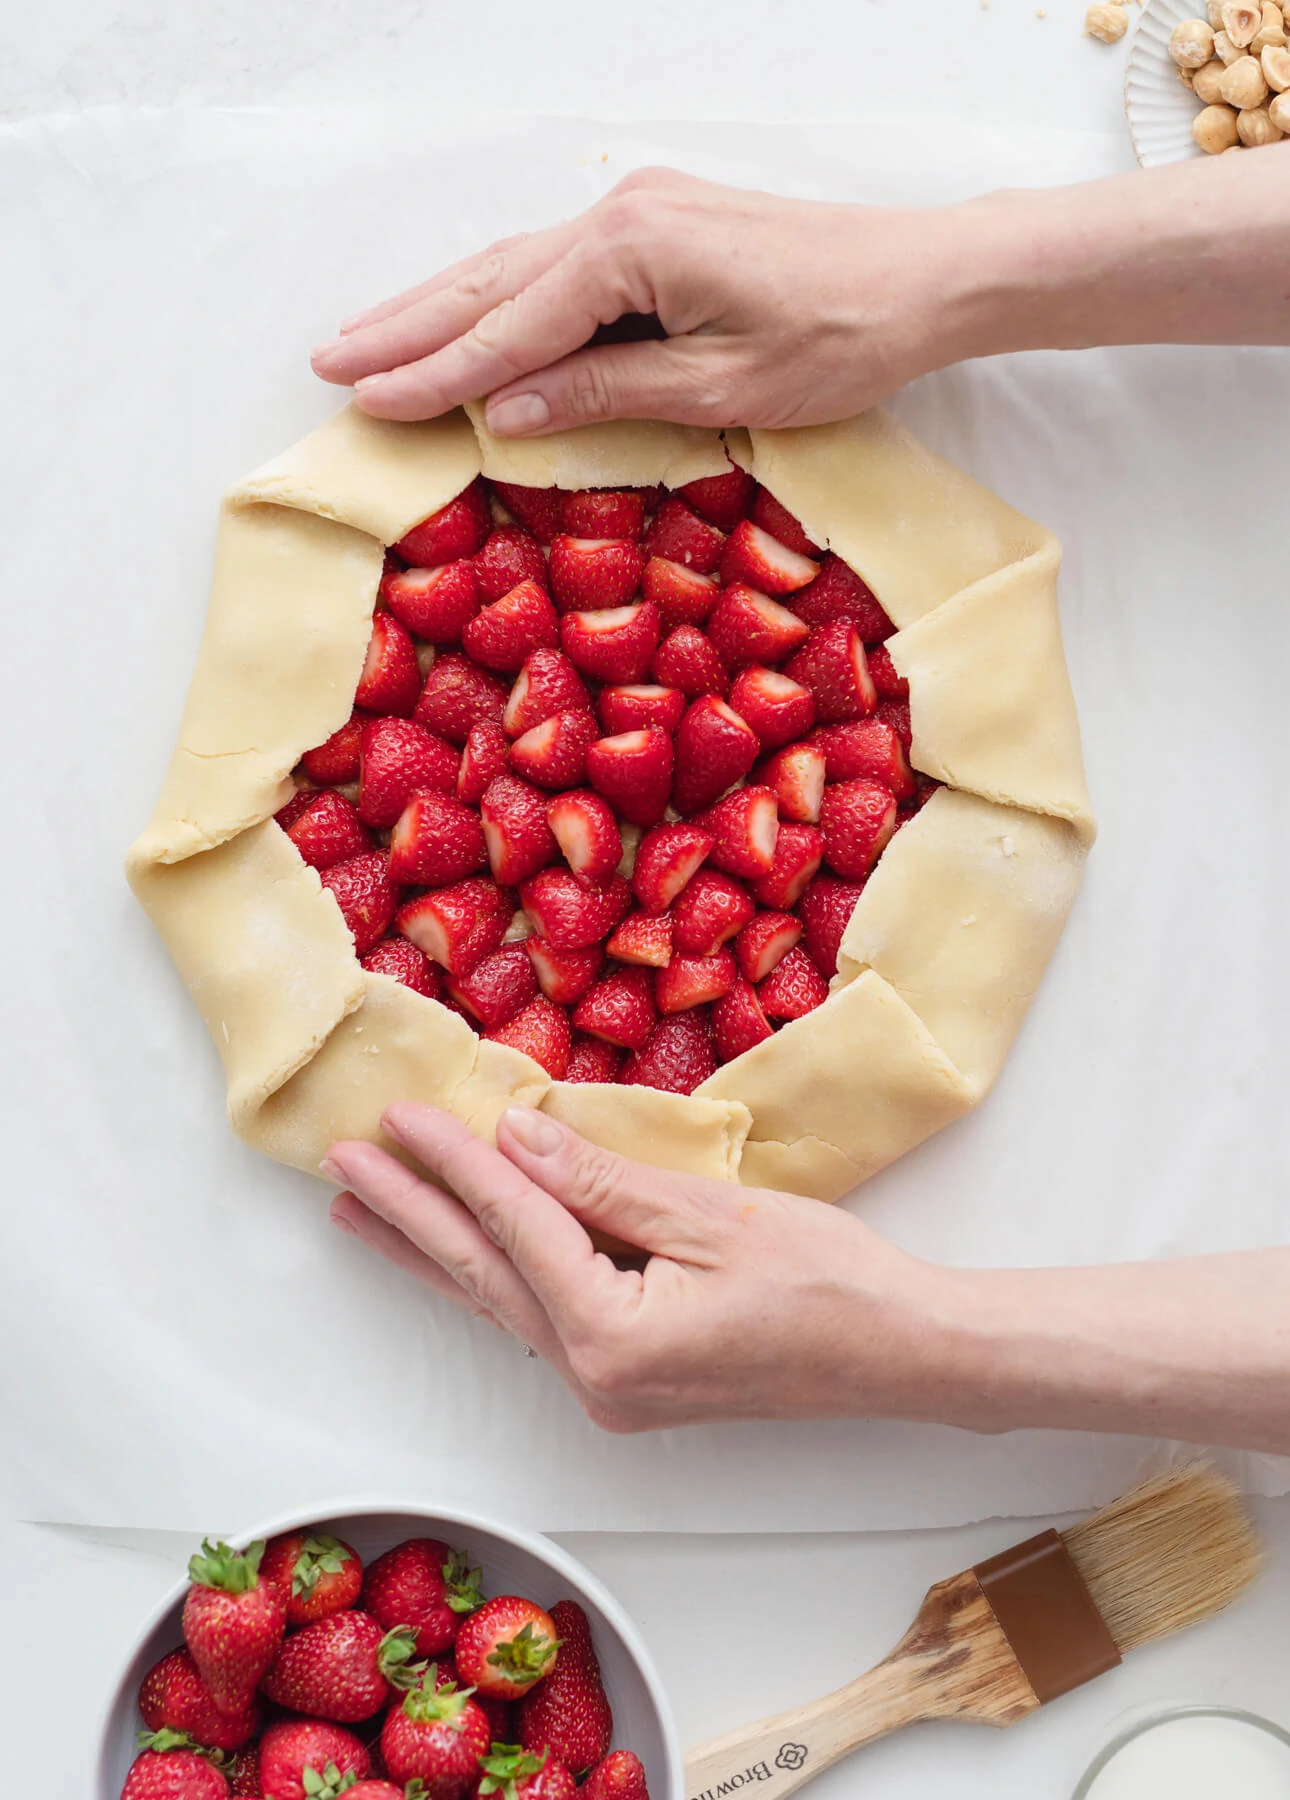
[{"x": 999, "y": 1641}]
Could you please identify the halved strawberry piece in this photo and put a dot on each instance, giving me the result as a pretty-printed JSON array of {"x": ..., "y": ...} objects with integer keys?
[
  {"x": 754, "y": 556},
  {"x": 510, "y": 556},
  {"x": 888, "y": 683},
  {"x": 287, "y": 815},
  {"x": 391, "y": 678},
  {"x": 487, "y": 754},
  {"x": 397, "y": 957},
  {"x": 857, "y": 819},
  {"x": 666, "y": 858},
  {"x": 644, "y": 938},
  {"x": 679, "y": 1055},
  {"x": 554, "y": 753},
  {"x": 778, "y": 708},
  {"x": 603, "y": 513},
  {"x": 504, "y": 634},
  {"x": 748, "y": 627},
  {"x": 592, "y": 1059},
  {"x": 683, "y": 537},
  {"x": 572, "y": 914},
  {"x": 799, "y": 851},
  {"x": 335, "y": 761},
  {"x": 782, "y": 525},
  {"x": 795, "y": 775},
  {"x": 681, "y": 595},
  {"x": 564, "y": 975},
  {"x": 744, "y": 827},
  {"x": 794, "y": 988},
  {"x": 896, "y": 714},
  {"x": 738, "y": 1022},
  {"x": 638, "y": 704},
  {"x": 587, "y": 832},
  {"x": 399, "y": 759},
  {"x": 435, "y": 604},
  {"x": 694, "y": 981},
  {"x": 589, "y": 573},
  {"x": 764, "y": 941},
  {"x": 634, "y": 773},
  {"x": 687, "y": 660},
  {"x": 714, "y": 749},
  {"x": 619, "y": 1009},
  {"x": 832, "y": 664},
  {"x": 457, "y": 529},
  {"x": 709, "y": 911},
  {"x": 614, "y": 643},
  {"x": 460, "y": 924},
  {"x": 547, "y": 684},
  {"x": 519, "y": 840},
  {"x": 329, "y": 830},
  {"x": 537, "y": 509},
  {"x": 868, "y": 748},
  {"x": 497, "y": 987},
  {"x": 540, "y": 1030},
  {"x": 457, "y": 695},
  {"x": 721, "y": 499},
  {"x": 436, "y": 841},
  {"x": 825, "y": 909},
  {"x": 839, "y": 593},
  {"x": 366, "y": 896}
]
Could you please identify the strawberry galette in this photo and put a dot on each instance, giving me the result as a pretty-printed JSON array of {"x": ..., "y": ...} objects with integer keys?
[{"x": 719, "y": 793}]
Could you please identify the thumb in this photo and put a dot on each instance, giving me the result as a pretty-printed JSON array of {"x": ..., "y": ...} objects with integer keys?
[{"x": 686, "y": 379}]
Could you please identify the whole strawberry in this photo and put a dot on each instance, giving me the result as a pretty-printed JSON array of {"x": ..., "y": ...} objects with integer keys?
[
  {"x": 233, "y": 1622},
  {"x": 174, "y": 1696},
  {"x": 307, "y": 1759},
  {"x": 436, "y": 1735},
  {"x": 621, "y": 1776},
  {"x": 341, "y": 1668},
  {"x": 506, "y": 1646},
  {"x": 426, "y": 1586},
  {"x": 244, "y": 1771},
  {"x": 316, "y": 1574},
  {"x": 376, "y": 1789},
  {"x": 567, "y": 1712},
  {"x": 500, "y": 1714},
  {"x": 518, "y": 1774},
  {"x": 171, "y": 1768}
]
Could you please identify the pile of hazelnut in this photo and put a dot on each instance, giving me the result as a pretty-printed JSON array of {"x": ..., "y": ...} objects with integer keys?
[{"x": 1237, "y": 63}]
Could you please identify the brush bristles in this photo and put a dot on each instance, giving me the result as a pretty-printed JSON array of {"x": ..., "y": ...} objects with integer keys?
[{"x": 1166, "y": 1555}]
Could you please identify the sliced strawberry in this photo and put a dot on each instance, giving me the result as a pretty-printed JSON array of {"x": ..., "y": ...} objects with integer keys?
[
  {"x": 896, "y": 714},
  {"x": 397, "y": 957},
  {"x": 519, "y": 840},
  {"x": 592, "y": 1059},
  {"x": 825, "y": 909},
  {"x": 434, "y": 604},
  {"x": 744, "y": 828},
  {"x": 832, "y": 664},
  {"x": 547, "y": 684},
  {"x": 458, "y": 695},
  {"x": 564, "y": 975},
  {"x": 748, "y": 627},
  {"x": 459, "y": 924},
  {"x": 781, "y": 524},
  {"x": 687, "y": 660},
  {"x": 799, "y": 851},
  {"x": 328, "y": 830},
  {"x": 764, "y": 941},
  {"x": 537, "y": 509},
  {"x": 590, "y": 573},
  {"x": 587, "y": 832},
  {"x": 504, "y": 634},
  {"x": 795, "y": 775},
  {"x": 634, "y": 773},
  {"x": 868, "y": 748},
  {"x": 681, "y": 536},
  {"x": 888, "y": 683},
  {"x": 738, "y": 1022},
  {"x": 569, "y": 913},
  {"x": 714, "y": 749},
  {"x": 794, "y": 988},
  {"x": 721, "y": 499},
  {"x": 399, "y": 759},
  {"x": 694, "y": 981},
  {"x": 511, "y": 556},
  {"x": 554, "y": 753},
  {"x": 436, "y": 841},
  {"x": 335, "y": 761},
  {"x": 679, "y": 1055},
  {"x": 754, "y": 556},
  {"x": 666, "y": 858},
  {"x": 391, "y": 678},
  {"x": 838, "y": 593},
  {"x": 540, "y": 1030},
  {"x": 614, "y": 644},
  {"x": 709, "y": 911},
  {"x": 644, "y": 938},
  {"x": 457, "y": 529},
  {"x": 778, "y": 708},
  {"x": 366, "y": 896},
  {"x": 857, "y": 819},
  {"x": 619, "y": 1009},
  {"x": 487, "y": 754},
  {"x": 497, "y": 987},
  {"x": 631, "y": 707},
  {"x": 603, "y": 513},
  {"x": 681, "y": 595}
]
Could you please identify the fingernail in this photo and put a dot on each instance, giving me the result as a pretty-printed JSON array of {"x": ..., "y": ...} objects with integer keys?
[
  {"x": 517, "y": 414},
  {"x": 343, "y": 1224},
  {"x": 353, "y": 322},
  {"x": 532, "y": 1129},
  {"x": 333, "y": 1172},
  {"x": 324, "y": 349}
]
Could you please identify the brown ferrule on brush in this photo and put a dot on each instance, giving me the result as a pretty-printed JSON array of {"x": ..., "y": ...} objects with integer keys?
[{"x": 1047, "y": 1615}]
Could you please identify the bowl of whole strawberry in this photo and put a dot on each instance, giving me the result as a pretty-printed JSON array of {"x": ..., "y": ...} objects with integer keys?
[{"x": 388, "y": 1653}]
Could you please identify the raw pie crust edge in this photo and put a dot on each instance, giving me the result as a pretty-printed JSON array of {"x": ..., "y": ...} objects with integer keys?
[{"x": 946, "y": 946}]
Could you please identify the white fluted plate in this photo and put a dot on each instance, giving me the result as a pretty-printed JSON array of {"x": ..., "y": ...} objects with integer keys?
[{"x": 1160, "y": 109}]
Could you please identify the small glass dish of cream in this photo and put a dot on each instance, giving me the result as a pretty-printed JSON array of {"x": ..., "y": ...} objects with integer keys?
[{"x": 1192, "y": 1753}]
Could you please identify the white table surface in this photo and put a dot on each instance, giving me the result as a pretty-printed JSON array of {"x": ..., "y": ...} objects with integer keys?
[{"x": 809, "y": 1611}]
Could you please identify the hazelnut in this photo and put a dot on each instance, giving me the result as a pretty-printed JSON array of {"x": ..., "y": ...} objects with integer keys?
[
  {"x": 1256, "y": 127},
  {"x": 1214, "y": 129},
  {"x": 1225, "y": 50},
  {"x": 1279, "y": 112},
  {"x": 1214, "y": 11},
  {"x": 1187, "y": 77},
  {"x": 1191, "y": 43},
  {"x": 1275, "y": 63},
  {"x": 1204, "y": 83},
  {"x": 1241, "y": 19},
  {"x": 1243, "y": 84},
  {"x": 1107, "y": 21}
]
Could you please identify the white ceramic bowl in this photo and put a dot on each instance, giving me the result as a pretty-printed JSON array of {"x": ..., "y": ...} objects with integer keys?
[
  {"x": 513, "y": 1560},
  {"x": 1160, "y": 109}
]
